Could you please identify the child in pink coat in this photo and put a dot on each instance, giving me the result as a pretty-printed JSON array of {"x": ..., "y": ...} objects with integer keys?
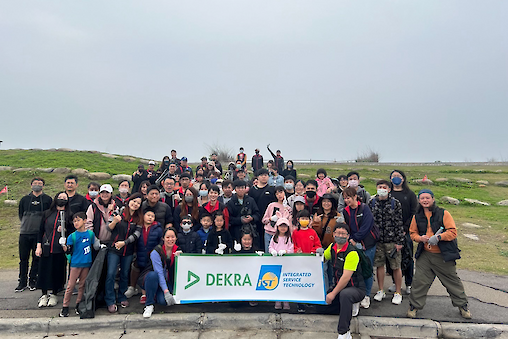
[{"x": 325, "y": 184}]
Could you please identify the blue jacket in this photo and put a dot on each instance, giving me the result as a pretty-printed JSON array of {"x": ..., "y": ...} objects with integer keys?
[
  {"x": 203, "y": 235},
  {"x": 154, "y": 239}
]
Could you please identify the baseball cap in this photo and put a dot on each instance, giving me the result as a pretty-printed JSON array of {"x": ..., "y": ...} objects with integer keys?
[
  {"x": 204, "y": 158},
  {"x": 184, "y": 159},
  {"x": 151, "y": 162},
  {"x": 299, "y": 199},
  {"x": 107, "y": 188}
]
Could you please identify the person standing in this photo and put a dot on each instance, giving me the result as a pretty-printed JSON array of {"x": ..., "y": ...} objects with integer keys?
[
  {"x": 31, "y": 210},
  {"x": 277, "y": 159},
  {"x": 77, "y": 202},
  {"x": 242, "y": 157},
  {"x": 433, "y": 228},
  {"x": 257, "y": 161}
]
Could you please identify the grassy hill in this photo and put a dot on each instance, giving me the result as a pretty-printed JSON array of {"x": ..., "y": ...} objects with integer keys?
[{"x": 489, "y": 254}]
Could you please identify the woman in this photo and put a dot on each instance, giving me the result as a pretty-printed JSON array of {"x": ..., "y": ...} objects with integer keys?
[
  {"x": 299, "y": 192},
  {"x": 214, "y": 205},
  {"x": 188, "y": 205},
  {"x": 158, "y": 277},
  {"x": 164, "y": 166},
  {"x": 143, "y": 188},
  {"x": 203, "y": 192},
  {"x": 289, "y": 170},
  {"x": 52, "y": 262},
  {"x": 343, "y": 183},
  {"x": 125, "y": 231},
  {"x": 363, "y": 234}
]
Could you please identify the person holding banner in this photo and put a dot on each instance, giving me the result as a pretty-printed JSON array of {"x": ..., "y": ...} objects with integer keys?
[
  {"x": 219, "y": 240},
  {"x": 349, "y": 285},
  {"x": 158, "y": 277}
]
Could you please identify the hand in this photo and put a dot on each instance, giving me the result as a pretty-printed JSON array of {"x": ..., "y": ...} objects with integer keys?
[
  {"x": 352, "y": 242},
  {"x": 177, "y": 253},
  {"x": 38, "y": 250},
  {"x": 273, "y": 253},
  {"x": 117, "y": 219},
  {"x": 170, "y": 301},
  {"x": 329, "y": 190},
  {"x": 260, "y": 253},
  {"x": 330, "y": 297},
  {"x": 104, "y": 246},
  {"x": 59, "y": 229},
  {"x": 237, "y": 246},
  {"x": 119, "y": 244},
  {"x": 267, "y": 146},
  {"x": 398, "y": 247},
  {"x": 61, "y": 241},
  {"x": 274, "y": 218},
  {"x": 317, "y": 218},
  {"x": 219, "y": 251},
  {"x": 299, "y": 250},
  {"x": 433, "y": 240},
  {"x": 222, "y": 246},
  {"x": 282, "y": 252},
  {"x": 424, "y": 238},
  {"x": 320, "y": 251}
]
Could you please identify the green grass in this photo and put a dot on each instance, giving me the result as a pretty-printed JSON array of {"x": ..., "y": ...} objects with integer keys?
[{"x": 489, "y": 254}]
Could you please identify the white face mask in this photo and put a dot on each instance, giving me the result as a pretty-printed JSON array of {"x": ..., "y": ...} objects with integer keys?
[
  {"x": 123, "y": 190},
  {"x": 382, "y": 192},
  {"x": 186, "y": 226},
  {"x": 353, "y": 183},
  {"x": 93, "y": 194}
]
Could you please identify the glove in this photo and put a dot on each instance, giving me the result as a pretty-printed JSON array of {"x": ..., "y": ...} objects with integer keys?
[
  {"x": 433, "y": 240},
  {"x": 61, "y": 241},
  {"x": 260, "y": 253},
  {"x": 237, "y": 246},
  {"x": 282, "y": 252},
  {"x": 203, "y": 251},
  {"x": 170, "y": 301},
  {"x": 273, "y": 252},
  {"x": 219, "y": 251},
  {"x": 104, "y": 246},
  {"x": 274, "y": 218},
  {"x": 320, "y": 251}
]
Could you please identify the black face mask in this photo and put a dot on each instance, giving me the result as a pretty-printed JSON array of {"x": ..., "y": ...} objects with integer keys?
[
  {"x": 61, "y": 202},
  {"x": 311, "y": 194}
]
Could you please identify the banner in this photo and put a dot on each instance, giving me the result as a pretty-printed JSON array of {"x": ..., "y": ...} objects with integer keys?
[{"x": 207, "y": 278}]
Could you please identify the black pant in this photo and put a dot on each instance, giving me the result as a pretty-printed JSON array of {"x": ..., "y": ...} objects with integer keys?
[
  {"x": 27, "y": 245},
  {"x": 408, "y": 272},
  {"x": 344, "y": 303}
]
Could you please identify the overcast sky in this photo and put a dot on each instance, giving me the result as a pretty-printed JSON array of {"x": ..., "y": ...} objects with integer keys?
[{"x": 412, "y": 80}]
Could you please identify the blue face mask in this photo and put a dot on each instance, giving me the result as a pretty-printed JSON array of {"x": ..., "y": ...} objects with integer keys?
[{"x": 396, "y": 181}]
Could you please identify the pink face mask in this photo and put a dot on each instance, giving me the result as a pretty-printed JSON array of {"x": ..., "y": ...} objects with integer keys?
[{"x": 353, "y": 183}]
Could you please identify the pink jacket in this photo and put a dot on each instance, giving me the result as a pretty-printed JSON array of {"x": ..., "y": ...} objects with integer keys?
[
  {"x": 282, "y": 245},
  {"x": 270, "y": 225},
  {"x": 323, "y": 185}
]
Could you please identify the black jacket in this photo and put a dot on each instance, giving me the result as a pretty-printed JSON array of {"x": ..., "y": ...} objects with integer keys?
[
  {"x": 189, "y": 242},
  {"x": 163, "y": 213},
  {"x": 237, "y": 210},
  {"x": 31, "y": 210},
  {"x": 263, "y": 196},
  {"x": 78, "y": 203},
  {"x": 125, "y": 231},
  {"x": 221, "y": 237}
]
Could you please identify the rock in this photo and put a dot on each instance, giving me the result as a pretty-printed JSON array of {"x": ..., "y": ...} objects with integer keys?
[
  {"x": 482, "y": 182},
  {"x": 374, "y": 169},
  {"x": 464, "y": 180},
  {"x": 144, "y": 161},
  {"x": 423, "y": 182},
  {"x": 337, "y": 169},
  {"x": 51, "y": 150},
  {"x": 450, "y": 200},
  {"x": 99, "y": 176},
  {"x": 362, "y": 178},
  {"x": 45, "y": 170},
  {"x": 441, "y": 180},
  {"x": 303, "y": 176},
  {"x": 471, "y": 225},
  {"x": 502, "y": 183},
  {"x": 499, "y": 171},
  {"x": 36, "y": 149},
  {"x": 476, "y": 202},
  {"x": 22, "y": 169},
  {"x": 11, "y": 202},
  {"x": 472, "y": 237},
  {"x": 5, "y": 168},
  {"x": 479, "y": 170},
  {"x": 129, "y": 159},
  {"x": 80, "y": 171},
  {"x": 107, "y": 155},
  {"x": 375, "y": 179},
  {"x": 66, "y": 150},
  {"x": 481, "y": 185},
  {"x": 503, "y": 203},
  {"x": 62, "y": 170},
  {"x": 121, "y": 177}
]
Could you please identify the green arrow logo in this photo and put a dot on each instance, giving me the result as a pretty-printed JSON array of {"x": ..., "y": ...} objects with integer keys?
[{"x": 192, "y": 279}]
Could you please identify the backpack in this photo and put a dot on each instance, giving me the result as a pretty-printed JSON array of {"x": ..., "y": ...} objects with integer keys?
[
  {"x": 365, "y": 264},
  {"x": 373, "y": 202},
  {"x": 69, "y": 255}
]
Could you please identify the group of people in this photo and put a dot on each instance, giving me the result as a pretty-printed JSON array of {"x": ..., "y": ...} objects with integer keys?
[{"x": 176, "y": 209}]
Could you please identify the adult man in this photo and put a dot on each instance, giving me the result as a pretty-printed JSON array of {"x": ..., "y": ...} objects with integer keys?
[
  {"x": 242, "y": 175},
  {"x": 263, "y": 194},
  {"x": 354, "y": 182},
  {"x": 77, "y": 202},
  {"x": 184, "y": 166},
  {"x": 151, "y": 170},
  {"x": 433, "y": 228},
  {"x": 168, "y": 195},
  {"x": 30, "y": 211},
  {"x": 163, "y": 213},
  {"x": 123, "y": 195},
  {"x": 349, "y": 284},
  {"x": 277, "y": 159},
  {"x": 243, "y": 212},
  {"x": 257, "y": 161},
  {"x": 138, "y": 177},
  {"x": 227, "y": 192},
  {"x": 216, "y": 162},
  {"x": 93, "y": 191},
  {"x": 289, "y": 185},
  {"x": 174, "y": 159},
  {"x": 311, "y": 197},
  {"x": 242, "y": 157},
  {"x": 275, "y": 179},
  {"x": 203, "y": 166},
  {"x": 387, "y": 213}
]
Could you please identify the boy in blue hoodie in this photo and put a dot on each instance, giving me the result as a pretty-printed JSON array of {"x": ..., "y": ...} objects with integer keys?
[{"x": 206, "y": 227}]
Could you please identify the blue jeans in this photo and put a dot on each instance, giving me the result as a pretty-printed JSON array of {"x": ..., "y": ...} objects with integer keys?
[
  {"x": 368, "y": 282},
  {"x": 154, "y": 292},
  {"x": 268, "y": 237},
  {"x": 125, "y": 264}
]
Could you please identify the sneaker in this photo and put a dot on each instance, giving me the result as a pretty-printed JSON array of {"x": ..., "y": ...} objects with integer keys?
[
  {"x": 392, "y": 288},
  {"x": 286, "y": 305},
  {"x": 346, "y": 335},
  {"x": 379, "y": 295},
  {"x": 465, "y": 312},
  {"x": 301, "y": 308},
  {"x": 75, "y": 291},
  {"x": 397, "y": 299},
  {"x": 21, "y": 287},
  {"x": 64, "y": 312},
  {"x": 356, "y": 309},
  {"x": 253, "y": 304},
  {"x": 131, "y": 291},
  {"x": 77, "y": 309},
  {"x": 43, "y": 301},
  {"x": 124, "y": 304},
  {"x": 365, "y": 303},
  {"x": 278, "y": 305},
  {"x": 142, "y": 300},
  {"x": 112, "y": 308},
  {"x": 52, "y": 300},
  {"x": 408, "y": 289},
  {"x": 147, "y": 313},
  {"x": 411, "y": 313},
  {"x": 32, "y": 285}
]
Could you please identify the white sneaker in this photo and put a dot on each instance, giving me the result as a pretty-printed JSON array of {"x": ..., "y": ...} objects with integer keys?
[
  {"x": 52, "y": 300},
  {"x": 397, "y": 299},
  {"x": 346, "y": 335},
  {"x": 43, "y": 301},
  {"x": 379, "y": 295},
  {"x": 365, "y": 303},
  {"x": 131, "y": 291},
  {"x": 356, "y": 309},
  {"x": 147, "y": 313},
  {"x": 392, "y": 288},
  {"x": 408, "y": 289}
]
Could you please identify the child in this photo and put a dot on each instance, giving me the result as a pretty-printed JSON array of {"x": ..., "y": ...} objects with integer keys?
[
  {"x": 270, "y": 217},
  {"x": 325, "y": 184},
  {"x": 305, "y": 240},
  {"x": 280, "y": 244},
  {"x": 219, "y": 236},
  {"x": 204, "y": 231},
  {"x": 78, "y": 244},
  {"x": 298, "y": 205},
  {"x": 188, "y": 241},
  {"x": 246, "y": 245}
]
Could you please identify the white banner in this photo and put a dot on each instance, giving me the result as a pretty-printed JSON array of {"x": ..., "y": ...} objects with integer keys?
[{"x": 207, "y": 278}]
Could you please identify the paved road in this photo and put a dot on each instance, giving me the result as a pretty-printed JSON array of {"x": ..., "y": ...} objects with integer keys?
[{"x": 488, "y": 295}]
